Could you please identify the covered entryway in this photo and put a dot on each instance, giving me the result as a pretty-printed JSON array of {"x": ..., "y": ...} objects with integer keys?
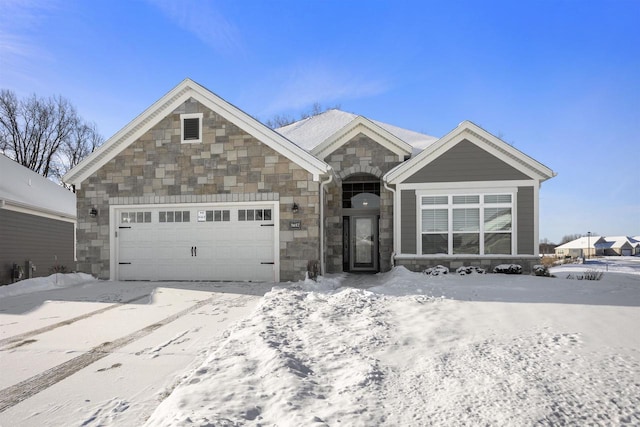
[
  {"x": 361, "y": 215},
  {"x": 231, "y": 242}
]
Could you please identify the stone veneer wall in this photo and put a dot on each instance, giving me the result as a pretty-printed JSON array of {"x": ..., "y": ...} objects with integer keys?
[
  {"x": 359, "y": 155},
  {"x": 229, "y": 165},
  {"x": 453, "y": 263}
]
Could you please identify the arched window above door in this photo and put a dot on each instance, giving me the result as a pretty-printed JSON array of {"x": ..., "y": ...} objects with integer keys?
[{"x": 361, "y": 191}]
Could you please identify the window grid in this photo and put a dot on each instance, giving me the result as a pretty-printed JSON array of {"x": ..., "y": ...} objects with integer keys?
[
  {"x": 135, "y": 217},
  {"x": 254, "y": 215},
  {"x": 174, "y": 216},
  {"x": 475, "y": 224}
]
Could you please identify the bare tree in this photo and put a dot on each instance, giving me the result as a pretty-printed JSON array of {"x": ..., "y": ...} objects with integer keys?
[
  {"x": 281, "y": 120},
  {"x": 44, "y": 134},
  {"x": 82, "y": 141}
]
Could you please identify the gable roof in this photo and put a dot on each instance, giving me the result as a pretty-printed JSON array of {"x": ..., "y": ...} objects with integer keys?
[
  {"x": 480, "y": 137},
  {"x": 583, "y": 242},
  {"x": 323, "y": 133},
  {"x": 601, "y": 242},
  {"x": 23, "y": 189},
  {"x": 173, "y": 99},
  {"x": 620, "y": 241}
]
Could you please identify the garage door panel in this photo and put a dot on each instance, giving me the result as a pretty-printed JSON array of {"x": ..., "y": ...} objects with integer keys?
[{"x": 226, "y": 248}]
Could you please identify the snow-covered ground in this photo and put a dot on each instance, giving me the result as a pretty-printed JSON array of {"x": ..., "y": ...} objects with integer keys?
[{"x": 397, "y": 348}]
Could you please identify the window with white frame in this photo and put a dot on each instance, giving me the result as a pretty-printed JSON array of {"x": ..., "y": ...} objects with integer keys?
[
  {"x": 191, "y": 128},
  {"x": 473, "y": 224}
]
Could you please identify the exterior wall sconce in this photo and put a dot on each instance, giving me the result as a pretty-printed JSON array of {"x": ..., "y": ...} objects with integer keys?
[
  {"x": 295, "y": 208},
  {"x": 93, "y": 212}
]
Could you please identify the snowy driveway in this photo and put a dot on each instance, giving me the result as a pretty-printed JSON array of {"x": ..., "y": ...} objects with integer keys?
[
  {"x": 397, "y": 348},
  {"x": 70, "y": 351}
]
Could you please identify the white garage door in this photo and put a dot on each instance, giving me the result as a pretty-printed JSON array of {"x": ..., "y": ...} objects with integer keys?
[{"x": 187, "y": 242}]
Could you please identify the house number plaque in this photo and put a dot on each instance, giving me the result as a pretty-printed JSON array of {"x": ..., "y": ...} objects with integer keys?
[{"x": 295, "y": 225}]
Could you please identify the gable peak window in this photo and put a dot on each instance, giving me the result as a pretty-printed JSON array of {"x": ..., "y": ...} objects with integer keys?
[{"x": 191, "y": 127}]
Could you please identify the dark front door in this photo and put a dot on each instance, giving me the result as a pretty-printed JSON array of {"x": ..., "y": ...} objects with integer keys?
[{"x": 363, "y": 243}]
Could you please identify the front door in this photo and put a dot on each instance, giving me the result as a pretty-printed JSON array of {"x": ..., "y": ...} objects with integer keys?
[{"x": 364, "y": 243}]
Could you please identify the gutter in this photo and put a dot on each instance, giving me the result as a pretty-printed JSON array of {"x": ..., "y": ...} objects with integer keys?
[
  {"x": 38, "y": 211},
  {"x": 395, "y": 218},
  {"x": 322, "y": 184}
]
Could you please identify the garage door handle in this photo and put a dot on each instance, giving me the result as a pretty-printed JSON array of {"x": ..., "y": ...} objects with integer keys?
[
  {"x": 124, "y": 227},
  {"x": 268, "y": 263},
  {"x": 194, "y": 251},
  {"x": 266, "y": 225}
]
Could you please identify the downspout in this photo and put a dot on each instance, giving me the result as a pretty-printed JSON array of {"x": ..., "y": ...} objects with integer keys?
[
  {"x": 393, "y": 223},
  {"x": 322, "y": 184}
]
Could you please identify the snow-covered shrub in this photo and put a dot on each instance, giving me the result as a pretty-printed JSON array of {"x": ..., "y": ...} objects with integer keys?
[
  {"x": 541, "y": 270},
  {"x": 508, "y": 269},
  {"x": 470, "y": 269},
  {"x": 436, "y": 271}
]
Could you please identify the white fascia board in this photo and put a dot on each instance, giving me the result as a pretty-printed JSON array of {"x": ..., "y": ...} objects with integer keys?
[
  {"x": 125, "y": 136},
  {"x": 499, "y": 145},
  {"x": 11, "y": 205},
  {"x": 365, "y": 126},
  {"x": 168, "y": 103},
  {"x": 260, "y": 131},
  {"x": 484, "y": 140}
]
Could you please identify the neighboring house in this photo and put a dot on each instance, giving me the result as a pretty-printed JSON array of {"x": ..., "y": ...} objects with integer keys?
[
  {"x": 196, "y": 189},
  {"x": 586, "y": 246},
  {"x": 599, "y": 246},
  {"x": 620, "y": 245},
  {"x": 37, "y": 223}
]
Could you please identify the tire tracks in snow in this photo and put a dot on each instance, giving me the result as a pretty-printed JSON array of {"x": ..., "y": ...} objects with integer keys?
[
  {"x": 23, "y": 336},
  {"x": 23, "y": 390}
]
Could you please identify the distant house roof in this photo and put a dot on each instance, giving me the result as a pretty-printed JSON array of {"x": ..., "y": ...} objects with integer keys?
[
  {"x": 583, "y": 242},
  {"x": 621, "y": 241},
  {"x": 311, "y": 132},
  {"x": 23, "y": 189},
  {"x": 601, "y": 242}
]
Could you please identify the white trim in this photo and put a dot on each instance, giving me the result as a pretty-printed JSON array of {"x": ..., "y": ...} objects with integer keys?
[
  {"x": 165, "y": 106},
  {"x": 113, "y": 226},
  {"x": 481, "y": 206},
  {"x": 198, "y": 116},
  {"x": 481, "y": 138},
  {"x": 463, "y": 256},
  {"x": 322, "y": 236},
  {"x": 467, "y": 185},
  {"x": 365, "y": 126},
  {"x": 395, "y": 212},
  {"x": 536, "y": 219}
]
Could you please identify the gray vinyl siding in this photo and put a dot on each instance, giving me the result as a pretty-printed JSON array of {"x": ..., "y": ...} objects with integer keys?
[
  {"x": 408, "y": 230},
  {"x": 43, "y": 241},
  {"x": 466, "y": 162},
  {"x": 526, "y": 215}
]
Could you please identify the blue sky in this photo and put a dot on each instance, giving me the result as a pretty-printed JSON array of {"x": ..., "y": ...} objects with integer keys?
[{"x": 559, "y": 80}]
